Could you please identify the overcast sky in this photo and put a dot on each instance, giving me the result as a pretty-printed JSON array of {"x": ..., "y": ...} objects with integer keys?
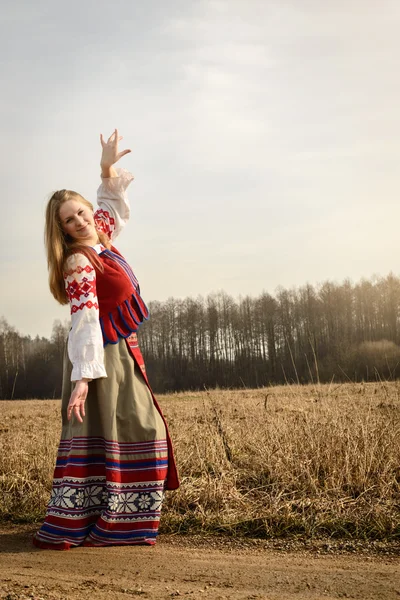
[{"x": 264, "y": 134}]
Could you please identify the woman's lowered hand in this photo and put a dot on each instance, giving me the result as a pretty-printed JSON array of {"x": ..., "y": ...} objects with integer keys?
[{"x": 76, "y": 405}]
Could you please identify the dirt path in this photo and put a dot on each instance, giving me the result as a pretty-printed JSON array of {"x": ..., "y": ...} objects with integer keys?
[{"x": 191, "y": 570}]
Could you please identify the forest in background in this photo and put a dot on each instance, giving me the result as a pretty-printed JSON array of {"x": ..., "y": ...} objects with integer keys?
[{"x": 319, "y": 333}]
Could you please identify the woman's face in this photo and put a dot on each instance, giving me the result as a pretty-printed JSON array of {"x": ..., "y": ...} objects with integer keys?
[{"x": 77, "y": 221}]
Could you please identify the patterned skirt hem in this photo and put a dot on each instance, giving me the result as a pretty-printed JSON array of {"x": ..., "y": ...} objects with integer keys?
[
  {"x": 88, "y": 544},
  {"x": 55, "y": 546}
]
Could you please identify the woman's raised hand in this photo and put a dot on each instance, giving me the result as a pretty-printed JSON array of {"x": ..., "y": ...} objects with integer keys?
[{"x": 110, "y": 154}]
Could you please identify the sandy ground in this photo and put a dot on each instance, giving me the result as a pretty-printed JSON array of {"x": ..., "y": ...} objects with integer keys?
[{"x": 194, "y": 568}]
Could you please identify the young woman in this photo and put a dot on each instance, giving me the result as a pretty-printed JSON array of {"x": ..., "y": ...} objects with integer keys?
[{"x": 115, "y": 457}]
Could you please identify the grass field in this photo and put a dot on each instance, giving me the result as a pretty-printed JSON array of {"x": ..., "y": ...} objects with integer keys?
[{"x": 282, "y": 461}]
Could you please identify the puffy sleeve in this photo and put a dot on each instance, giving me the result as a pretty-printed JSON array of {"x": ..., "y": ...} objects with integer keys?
[
  {"x": 85, "y": 340},
  {"x": 113, "y": 211}
]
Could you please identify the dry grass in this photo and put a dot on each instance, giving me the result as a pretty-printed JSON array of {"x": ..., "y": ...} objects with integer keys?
[{"x": 312, "y": 460}]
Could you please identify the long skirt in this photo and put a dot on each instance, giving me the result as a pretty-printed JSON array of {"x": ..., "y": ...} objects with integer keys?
[{"x": 111, "y": 470}]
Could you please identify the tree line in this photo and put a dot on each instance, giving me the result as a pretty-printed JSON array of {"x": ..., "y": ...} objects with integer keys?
[
  {"x": 319, "y": 333},
  {"x": 31, "y": 367}
]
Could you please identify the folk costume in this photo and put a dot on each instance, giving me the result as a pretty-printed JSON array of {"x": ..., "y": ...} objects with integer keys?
[{"x": 112, "y": 469}]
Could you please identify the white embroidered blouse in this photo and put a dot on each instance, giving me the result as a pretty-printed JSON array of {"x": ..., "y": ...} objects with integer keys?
[{"x": 85, "y": 340}]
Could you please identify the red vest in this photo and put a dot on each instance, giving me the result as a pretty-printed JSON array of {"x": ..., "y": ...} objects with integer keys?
[{"x": 121, "y": 308}]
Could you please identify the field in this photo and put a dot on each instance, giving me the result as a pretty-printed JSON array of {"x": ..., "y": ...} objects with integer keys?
[{"x": 282, "y": 462}]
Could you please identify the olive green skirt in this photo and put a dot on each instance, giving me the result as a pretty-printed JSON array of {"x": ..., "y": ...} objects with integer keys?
[{"x": 110, "y": 474}]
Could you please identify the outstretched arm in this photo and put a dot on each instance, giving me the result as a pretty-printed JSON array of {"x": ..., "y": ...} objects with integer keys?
[{"x": 113, "y": 212}]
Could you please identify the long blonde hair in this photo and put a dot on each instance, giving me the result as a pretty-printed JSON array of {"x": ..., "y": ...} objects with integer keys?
[{"x": 60, "y": 245}]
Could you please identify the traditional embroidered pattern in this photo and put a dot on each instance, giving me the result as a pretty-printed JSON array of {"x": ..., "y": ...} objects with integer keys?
[
  {"x": 84, "y": 287},
  {"x": 95, "y": 496},
  {"x": 88, "y": 304},
  {"x": 133, "y": 344},
  {"x": 105, "y": 492},
  {"x": 78, "y": 269},
  {"x": 104, "y": 222},
  {"x": 78, "y": 284}
]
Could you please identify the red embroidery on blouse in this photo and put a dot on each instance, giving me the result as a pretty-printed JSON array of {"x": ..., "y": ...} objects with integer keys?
[
  {"x": 76, "y": 289},
  {"x": 79, "y": 270},
  {"x": 88, "y": 304},
  {"x": 104, "y": 221}
]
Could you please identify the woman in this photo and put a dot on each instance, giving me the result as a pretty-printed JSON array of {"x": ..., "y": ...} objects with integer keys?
[{"x": 115, "y": 457}]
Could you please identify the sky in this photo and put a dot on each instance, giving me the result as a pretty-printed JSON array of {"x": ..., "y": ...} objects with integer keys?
[{"x": 265, "y": 138}]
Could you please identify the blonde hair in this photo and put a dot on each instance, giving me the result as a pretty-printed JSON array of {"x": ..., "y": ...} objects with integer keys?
[{"x": 60, "y": 245}]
